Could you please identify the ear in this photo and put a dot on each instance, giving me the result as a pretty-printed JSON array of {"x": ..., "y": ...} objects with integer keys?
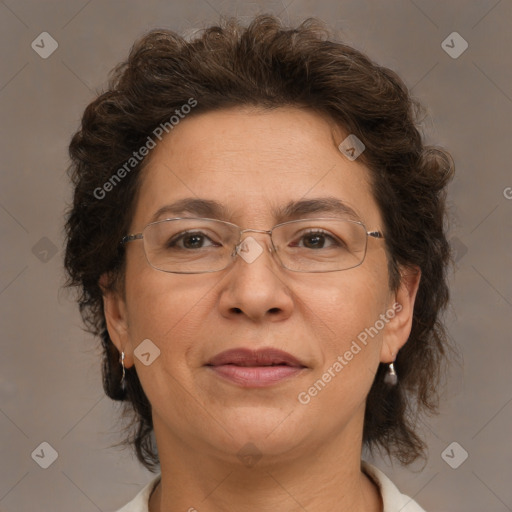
[
  {"x": 398, "y": 329},
  {"x": 114, "y": 308}
]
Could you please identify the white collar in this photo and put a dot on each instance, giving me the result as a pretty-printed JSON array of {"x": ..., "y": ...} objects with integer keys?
[{"x": 393, "y": 499}]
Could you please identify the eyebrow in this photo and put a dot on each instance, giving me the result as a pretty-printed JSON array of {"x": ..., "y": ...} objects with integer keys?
[{"x": 210, "y": 208}]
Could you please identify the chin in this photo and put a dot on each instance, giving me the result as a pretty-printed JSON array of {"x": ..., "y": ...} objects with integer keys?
[{"x": 263, "y": 431}]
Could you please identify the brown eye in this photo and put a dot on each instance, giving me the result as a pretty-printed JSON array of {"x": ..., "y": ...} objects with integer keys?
[
  {"x": 316, "y": 239},
  {"x": 190, "y": 240}
]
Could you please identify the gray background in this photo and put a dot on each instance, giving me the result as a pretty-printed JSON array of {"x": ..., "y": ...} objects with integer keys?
[{"x": 50, "y": 386}]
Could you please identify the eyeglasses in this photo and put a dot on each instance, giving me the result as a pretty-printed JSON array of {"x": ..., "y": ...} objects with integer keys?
[{"x": 200, "y": 245}]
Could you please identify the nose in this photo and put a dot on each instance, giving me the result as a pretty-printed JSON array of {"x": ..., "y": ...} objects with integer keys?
[{"x": 256, "y": 286}]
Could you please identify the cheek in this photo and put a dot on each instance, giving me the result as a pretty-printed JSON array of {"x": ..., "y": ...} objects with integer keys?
[
  {"x": 345, "y": 318},
  {"x": 156, "y": 300},
  {"x": 161, "y": 304},
  {"x": 346, "y": 305},
  {"x": 165, "y": 309},
  {"x": 172, "y": 311}
]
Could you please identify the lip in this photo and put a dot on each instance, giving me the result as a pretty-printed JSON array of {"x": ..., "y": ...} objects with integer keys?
[{"x": 255, "y": 368}]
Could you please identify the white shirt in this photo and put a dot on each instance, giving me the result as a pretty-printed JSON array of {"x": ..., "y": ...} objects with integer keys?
[{"x": 393, "y": 499}]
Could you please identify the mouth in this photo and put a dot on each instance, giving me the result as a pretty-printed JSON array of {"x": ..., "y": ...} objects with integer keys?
[
  {"x": 255, "y": 368},
  {"x": 261, "y": 357}
]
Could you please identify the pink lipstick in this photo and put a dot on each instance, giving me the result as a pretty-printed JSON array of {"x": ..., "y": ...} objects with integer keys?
[{"x": 255, "y": 368}]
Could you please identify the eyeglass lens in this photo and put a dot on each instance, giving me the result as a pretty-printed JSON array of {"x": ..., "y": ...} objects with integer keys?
[{"x": 207, "y": 245}]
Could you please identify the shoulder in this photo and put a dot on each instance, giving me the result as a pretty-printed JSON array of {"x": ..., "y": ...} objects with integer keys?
[
  {"x": 393, "y": 499},
  {"x": 141, "y": 500}
]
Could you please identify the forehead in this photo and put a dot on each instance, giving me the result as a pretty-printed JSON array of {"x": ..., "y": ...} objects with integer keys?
[{"x": 254, "y": 164}]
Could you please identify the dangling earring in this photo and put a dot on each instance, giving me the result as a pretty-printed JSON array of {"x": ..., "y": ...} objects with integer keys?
[
  {"x": 123, "y": 382},
  {"x": 391, "y": 377}
]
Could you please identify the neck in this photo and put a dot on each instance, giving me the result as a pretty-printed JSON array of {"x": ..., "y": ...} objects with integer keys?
[{"x": 325, "y": 477}]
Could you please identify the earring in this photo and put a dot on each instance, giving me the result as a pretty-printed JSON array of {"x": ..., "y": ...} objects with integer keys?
[
  {"x": 391, "y": 377},
  {"x": 123, "y": 382}
]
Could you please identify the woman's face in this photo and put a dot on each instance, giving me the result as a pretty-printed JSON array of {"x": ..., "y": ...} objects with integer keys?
[{"x": 253, "y": 162}]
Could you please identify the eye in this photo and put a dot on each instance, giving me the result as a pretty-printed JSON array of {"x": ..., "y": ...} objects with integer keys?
[
  {"x": 191, "y": 240},
  {"x": 316, "y": 239}
]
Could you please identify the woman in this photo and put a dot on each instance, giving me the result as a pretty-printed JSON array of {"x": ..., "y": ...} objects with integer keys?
[{"x": 257, "y": 231}]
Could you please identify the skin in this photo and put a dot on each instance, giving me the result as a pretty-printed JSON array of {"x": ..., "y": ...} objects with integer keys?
[{"x": 250, "y": 160}]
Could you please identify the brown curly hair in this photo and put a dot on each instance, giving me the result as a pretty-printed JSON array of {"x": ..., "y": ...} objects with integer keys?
[{"x": 268, "y": 65}]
